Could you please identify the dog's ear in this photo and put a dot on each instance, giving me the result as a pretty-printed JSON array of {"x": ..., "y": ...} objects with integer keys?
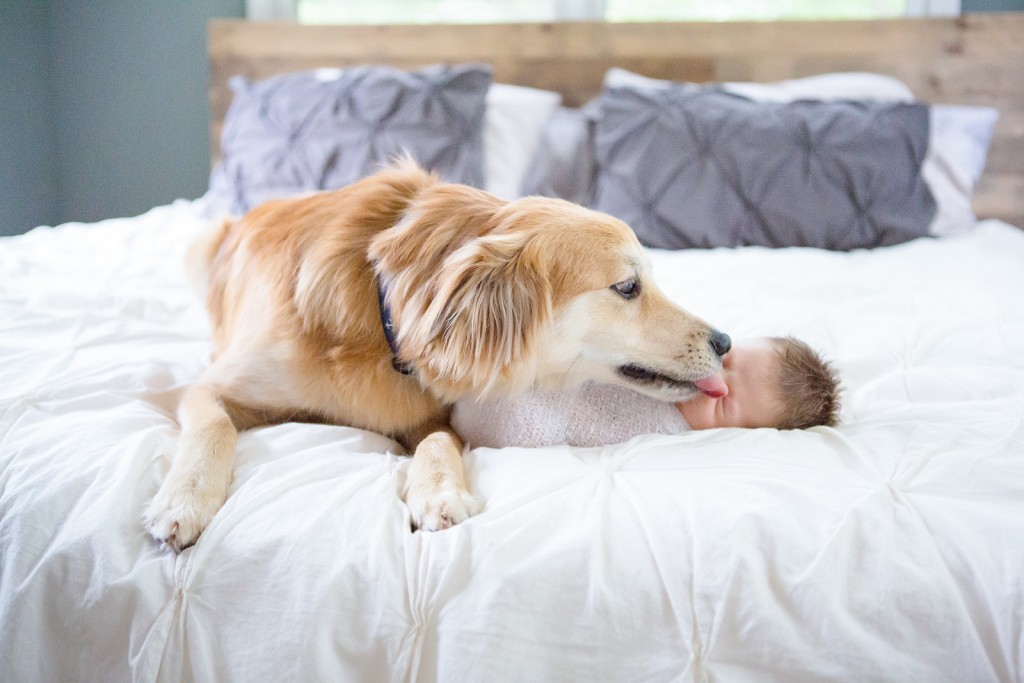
[{"x": 490, "y": 297}]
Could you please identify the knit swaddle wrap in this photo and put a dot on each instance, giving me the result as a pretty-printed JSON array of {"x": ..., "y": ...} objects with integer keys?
[{"x": 591, "y": 415}]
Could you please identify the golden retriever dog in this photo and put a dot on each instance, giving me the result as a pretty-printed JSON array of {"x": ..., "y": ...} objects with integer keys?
[{"x": 380, "y": 304}]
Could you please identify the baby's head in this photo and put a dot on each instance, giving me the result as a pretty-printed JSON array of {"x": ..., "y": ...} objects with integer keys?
[{"x": 778, "y": 382}]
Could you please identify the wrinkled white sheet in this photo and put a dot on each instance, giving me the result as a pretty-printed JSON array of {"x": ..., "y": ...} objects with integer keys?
[{"x": 889, "y": 549}]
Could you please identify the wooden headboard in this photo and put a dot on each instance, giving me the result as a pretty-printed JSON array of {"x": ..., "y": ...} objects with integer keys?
[{"x": 976, "y": 59}]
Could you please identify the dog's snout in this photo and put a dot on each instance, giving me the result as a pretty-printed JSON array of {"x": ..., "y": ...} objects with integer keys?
[{"x": 720, "y": 342}]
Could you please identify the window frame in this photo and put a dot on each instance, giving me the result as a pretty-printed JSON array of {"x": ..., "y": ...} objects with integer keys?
[{"x": 574, "y": 10}]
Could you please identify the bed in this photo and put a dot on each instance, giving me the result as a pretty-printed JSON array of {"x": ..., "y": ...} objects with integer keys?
[{"x": 890, "y": 548}]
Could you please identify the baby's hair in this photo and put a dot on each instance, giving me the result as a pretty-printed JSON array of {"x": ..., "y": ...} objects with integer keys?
[{"x": 809, "y": 385}]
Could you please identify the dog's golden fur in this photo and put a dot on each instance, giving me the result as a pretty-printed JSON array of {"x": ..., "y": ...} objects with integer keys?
[{"x": 486, "y": 295}]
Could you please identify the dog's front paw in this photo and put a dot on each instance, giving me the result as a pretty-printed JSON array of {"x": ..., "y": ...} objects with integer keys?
[
  {"x": 441, "y": 508},
  {"x": 175, "y": 520}
]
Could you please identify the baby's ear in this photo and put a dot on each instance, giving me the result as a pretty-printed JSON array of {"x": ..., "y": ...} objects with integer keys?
[{"x": 491, "y": 297}]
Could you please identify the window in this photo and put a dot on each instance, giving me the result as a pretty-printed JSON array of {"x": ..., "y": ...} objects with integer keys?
[
  {"x": 753, "y": 10},
  {"x": 500, "y": 11}
]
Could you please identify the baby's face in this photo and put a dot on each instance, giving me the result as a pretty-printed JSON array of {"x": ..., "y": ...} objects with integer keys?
[{"x": 750, "y": 371}]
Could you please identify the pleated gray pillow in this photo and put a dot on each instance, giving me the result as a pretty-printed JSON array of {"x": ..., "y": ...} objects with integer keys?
[
  {"x": 693, "y": 166},
  {"x": 323, "y": 129}
]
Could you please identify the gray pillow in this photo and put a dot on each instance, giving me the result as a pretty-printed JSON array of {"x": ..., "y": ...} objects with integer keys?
[
  {"x": 693, "y": 166},
  {"x": 320, "y": 130}
]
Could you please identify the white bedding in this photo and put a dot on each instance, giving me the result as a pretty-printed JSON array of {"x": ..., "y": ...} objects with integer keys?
[{"x": 889, "y": 549}]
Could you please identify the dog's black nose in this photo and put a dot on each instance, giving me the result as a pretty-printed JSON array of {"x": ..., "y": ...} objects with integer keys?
[{"x": 720, "y": 342}]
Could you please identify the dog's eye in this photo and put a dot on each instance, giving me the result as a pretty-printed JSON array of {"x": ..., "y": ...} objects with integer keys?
[{"x": 627, "y": 288}]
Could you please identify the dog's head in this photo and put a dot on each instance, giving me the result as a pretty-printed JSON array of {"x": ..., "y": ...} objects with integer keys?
[
  {"x": 493, "y": 296},
  {"x": 609, "y": 321}
]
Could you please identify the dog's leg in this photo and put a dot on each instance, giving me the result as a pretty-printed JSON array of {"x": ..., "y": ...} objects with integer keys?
[
  {"x": 197, "y": 483},
  {"x": 435, "y": 490}
]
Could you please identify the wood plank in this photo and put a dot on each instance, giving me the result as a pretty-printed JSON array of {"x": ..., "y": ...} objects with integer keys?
[
  {"x": 1006, "y": 153},
  {"x": 974, "y": 35},
  {"x": 1001, "y": 195}
]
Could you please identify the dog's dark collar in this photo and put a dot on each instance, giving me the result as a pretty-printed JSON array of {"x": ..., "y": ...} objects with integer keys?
[{"x": 388, "y": 325}]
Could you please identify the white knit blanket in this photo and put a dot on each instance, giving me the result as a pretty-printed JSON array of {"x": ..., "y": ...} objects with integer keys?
[{"x": 591, "y": 415}]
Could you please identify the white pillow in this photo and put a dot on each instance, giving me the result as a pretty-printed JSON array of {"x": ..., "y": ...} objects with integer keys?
[
  {"x": 513, "y": 124},
  {"x": 958, "y": 136},
  {"x": 958, "y": 140},
  {"x": 825, "y": 87}
]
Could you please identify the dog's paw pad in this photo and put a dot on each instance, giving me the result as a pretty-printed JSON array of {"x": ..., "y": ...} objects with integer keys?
[
  {"x": 176, "y": 526},
  {"x": 442, "y": 510}
]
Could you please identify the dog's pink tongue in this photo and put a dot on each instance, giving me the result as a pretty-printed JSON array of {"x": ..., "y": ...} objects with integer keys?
[{"x": 713, "y": 386}]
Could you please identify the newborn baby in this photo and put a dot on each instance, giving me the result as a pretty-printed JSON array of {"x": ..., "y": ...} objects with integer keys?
[{"x": 777, "y": 382}]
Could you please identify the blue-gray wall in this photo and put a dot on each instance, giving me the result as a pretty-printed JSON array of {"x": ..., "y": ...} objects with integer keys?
[
  {"x": 28, "y": 141},
  {"x": 991, "y": 6},
  {"x": 103, "y": 107}
]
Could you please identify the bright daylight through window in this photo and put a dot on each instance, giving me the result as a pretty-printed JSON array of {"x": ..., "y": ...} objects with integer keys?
[{"x": 497, "y": 11}]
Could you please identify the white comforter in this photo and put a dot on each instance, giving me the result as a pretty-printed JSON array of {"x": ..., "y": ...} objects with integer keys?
[{"x": 890, "y": 549}]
